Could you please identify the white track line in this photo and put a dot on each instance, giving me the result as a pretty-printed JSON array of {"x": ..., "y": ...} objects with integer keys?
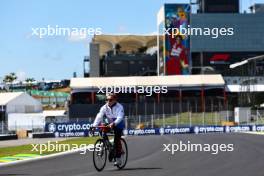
[{"x": 42, "y": 157}]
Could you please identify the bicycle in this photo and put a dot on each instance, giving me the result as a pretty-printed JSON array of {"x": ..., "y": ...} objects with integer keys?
[{"x": 107, "y": 148}]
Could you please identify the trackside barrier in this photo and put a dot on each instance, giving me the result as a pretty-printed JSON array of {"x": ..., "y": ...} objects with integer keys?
[
  {"x": 69, "y": 129},
  {"x": 78, "y": 129},
  {"x": 8, "y": 137}
]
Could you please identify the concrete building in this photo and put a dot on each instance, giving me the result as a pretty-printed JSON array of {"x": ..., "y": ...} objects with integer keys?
[{"x": 122, "y": 55}]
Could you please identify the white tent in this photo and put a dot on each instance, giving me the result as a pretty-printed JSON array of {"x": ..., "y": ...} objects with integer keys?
[{"x": 19, "y": 102}]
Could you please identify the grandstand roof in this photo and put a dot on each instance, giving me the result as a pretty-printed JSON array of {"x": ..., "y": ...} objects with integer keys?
[
  {"x": 170, "y": 81},
  {"x": 127, "y": 42}
]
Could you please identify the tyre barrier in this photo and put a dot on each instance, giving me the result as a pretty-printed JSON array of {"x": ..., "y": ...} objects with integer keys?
[
  {"x": 195, "y": 130},
  {"x": 8, "y": 137},
  {"x": 69, "y": 129},
  {"x": 43, "y": 135}
]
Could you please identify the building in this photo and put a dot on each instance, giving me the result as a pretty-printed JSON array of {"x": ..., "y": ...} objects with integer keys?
[
  {"x": 184, "y": 93},
  {"x": 17, "y": 102},
  {"x": 122, "y": 55},
  {"x": 214, "y": 53},
  {"x": 218, "y": 35}
]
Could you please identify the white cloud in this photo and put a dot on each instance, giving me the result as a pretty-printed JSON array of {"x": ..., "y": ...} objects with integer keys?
[{"x": 21, "y": 75}]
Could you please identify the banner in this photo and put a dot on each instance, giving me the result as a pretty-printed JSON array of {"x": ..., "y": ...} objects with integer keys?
[
  {"x": 177, "y": 43},
  {"x": 78, "y": 129},
  {"x": 70, "y": 129}
]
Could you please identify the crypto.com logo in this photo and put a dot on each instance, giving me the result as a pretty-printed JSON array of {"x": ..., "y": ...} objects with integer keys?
[{"x": 52, "y": 127}]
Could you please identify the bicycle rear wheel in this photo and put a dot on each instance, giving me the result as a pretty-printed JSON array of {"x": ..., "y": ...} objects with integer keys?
[
  {"x": 124, "y": 155},
  {"x": 99, "y": 155}
]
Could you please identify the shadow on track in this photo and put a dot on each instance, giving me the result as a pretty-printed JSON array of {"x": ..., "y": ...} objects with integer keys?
[
  {"x": 138, "y": 168},
  {"x": 13, "y": 174}
]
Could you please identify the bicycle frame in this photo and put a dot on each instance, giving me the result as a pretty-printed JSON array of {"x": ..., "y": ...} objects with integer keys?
[
  {"x": 109, "y": 148},
  {"x": 105, "y": 137}
]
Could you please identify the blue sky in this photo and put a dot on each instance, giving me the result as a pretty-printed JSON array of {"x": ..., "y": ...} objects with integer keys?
[{"x": 58, "y": 57}]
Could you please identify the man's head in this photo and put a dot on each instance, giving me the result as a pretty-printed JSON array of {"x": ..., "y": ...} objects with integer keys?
[
  {"x": 178, "y": 39},
  {"x": 111, "y": 99}
]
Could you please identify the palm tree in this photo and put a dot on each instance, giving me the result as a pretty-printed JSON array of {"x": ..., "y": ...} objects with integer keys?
[
  {"x": 29, "y": 82},
  {"x": 10, "y": 78}
]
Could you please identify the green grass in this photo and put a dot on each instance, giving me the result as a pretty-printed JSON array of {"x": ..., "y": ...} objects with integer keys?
[
  {"x": 184, "y": 119},
  {"x": 10, "y": 151}
]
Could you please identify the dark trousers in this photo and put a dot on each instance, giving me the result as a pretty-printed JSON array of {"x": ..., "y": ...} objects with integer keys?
[{"x": 117, "y": 142}]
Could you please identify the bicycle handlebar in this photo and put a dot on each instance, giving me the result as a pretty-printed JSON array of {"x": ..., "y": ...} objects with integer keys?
[
  {"x": 100, "y": 126},
  {"x": 103, "y": 126}
]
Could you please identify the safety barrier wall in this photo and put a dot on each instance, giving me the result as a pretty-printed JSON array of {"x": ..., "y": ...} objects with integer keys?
[{"x": 77, "y": 129}]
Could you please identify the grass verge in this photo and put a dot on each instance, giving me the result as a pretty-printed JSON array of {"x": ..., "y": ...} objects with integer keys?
[{"x": 10, "y": 151}]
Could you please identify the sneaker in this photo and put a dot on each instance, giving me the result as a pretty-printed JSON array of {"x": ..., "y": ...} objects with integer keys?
[{"x": 118, "y": 162}]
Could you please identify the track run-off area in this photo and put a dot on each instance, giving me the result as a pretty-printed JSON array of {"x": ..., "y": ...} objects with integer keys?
[{"x": 148, "y": 156}]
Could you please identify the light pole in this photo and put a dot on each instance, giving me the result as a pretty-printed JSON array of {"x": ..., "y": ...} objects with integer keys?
[{"x": 237, "y": 64}]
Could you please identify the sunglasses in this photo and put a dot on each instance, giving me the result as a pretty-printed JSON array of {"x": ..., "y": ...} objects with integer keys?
[{"x": 109, "y": 99}]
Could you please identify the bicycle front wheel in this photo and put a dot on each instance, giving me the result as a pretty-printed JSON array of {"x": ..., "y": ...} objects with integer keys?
[
  {"x": 124, "y": 155},
  {"x": 99, "y": 155}
]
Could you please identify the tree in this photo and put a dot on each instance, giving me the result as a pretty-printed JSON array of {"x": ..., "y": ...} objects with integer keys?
[
  {"x": 10, "y": 78},
  {"x": 29, "y": 82}
]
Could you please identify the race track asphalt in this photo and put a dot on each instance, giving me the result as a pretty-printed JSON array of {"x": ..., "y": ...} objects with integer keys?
[{"x": 147, "y": 158}]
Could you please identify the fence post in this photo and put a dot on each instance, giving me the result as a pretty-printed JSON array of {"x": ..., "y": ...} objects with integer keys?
[
  {"x": 145, "y": 108},
  {"x": 163, "y": 119},
  {"x": 32, "y": 125},
  {"x": 227, "y": 113},
  {"x": 190, "y": 118},
  {"x": 203, "y": 118},
  {"x": 163, "y": 108},
  {"x": 247, "y": 116},
  {"x": 257, "y": 117},
  {"x": 177, "y": 120},
  {"x": 196, "y": 106},
  {"x": 171, "y": 106},
  {"x": 154, "y": 109},
  {"x": 212, "y": 109},
  {"x": 215, "y": 118},
  {"x": 2, "y": 127},
  {"x": 152, "y": 121},
  {"x": 136, "y": 108},
  {"x": 126, "y": 124}
]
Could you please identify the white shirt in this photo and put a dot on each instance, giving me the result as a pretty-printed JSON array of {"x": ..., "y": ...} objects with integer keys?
[
  {"x": 114, "y": 114},
  {"x": 176, "y": 51}
]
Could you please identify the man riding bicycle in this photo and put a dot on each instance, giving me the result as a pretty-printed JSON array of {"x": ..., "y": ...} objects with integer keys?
[{"x": 114, "y": 113}]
